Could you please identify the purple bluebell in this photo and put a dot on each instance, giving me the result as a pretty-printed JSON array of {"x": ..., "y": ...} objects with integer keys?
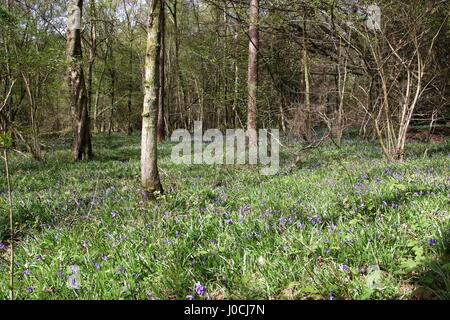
[
  {"x": 433, "y": 242},
  {"x": 200, "y": 289},
  {"x": 344, "y": 267}
]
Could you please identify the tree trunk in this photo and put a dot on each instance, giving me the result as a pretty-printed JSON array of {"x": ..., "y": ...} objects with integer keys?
[
  {"x": 253, "y": 74},
  {"x": 96, "y": 103},
  {"x": 308, "y": 111},
  {"x": 151, "y": 184},
  {"x": 130, "y": 67},
  {"x": 92, "y": 54},
  {"x": 130, "y": 92},
  {"x": 36, "y": 146},
  {"x": 162, "y": 71},
  {"x": 113, "y": 101},
  {"x": 181, "y": 97},
  {"x": 81, "y": 148}
]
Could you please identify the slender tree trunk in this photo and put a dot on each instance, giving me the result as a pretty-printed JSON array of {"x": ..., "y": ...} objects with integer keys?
[
  {"x": 130, "y": 66},
  {"x": 97, "y": 99},
  {"x": 182, "y": 99},
  {"x": 113, "y": 98},
  {"x": 130, "y": 92},
  {"x": 308, "y": 111},
  {"x": 283, "y": 115},
  {"x": 81, "y": 148},
  {"x": 92, "y": 54},
  {"x": 11, "y": 226},
  {"x": 36, "y": 150},
  {"x": 253, "y": 74},
  {"x": 162, "y": 71},
  {"x": 151, "y": 184}
]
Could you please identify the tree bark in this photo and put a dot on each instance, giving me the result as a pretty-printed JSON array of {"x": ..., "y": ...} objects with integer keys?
[
  {"x": 253, "y": 74},
  {"x": 130, "y": 67},
  {"x": 92, "y": 54},
  {"x": 162, "y": 71},
  {"x": 81, "y": 147},
  {"x": 151, "y": 184},
  {"x": 308, "y": 110}
]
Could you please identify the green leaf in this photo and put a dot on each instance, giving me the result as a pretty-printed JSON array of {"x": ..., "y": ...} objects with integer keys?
[
  {"x": 375, "y": 278},
  {"x": 6, "y": 141}
]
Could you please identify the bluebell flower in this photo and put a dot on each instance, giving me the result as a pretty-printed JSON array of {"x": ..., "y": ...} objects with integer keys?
[
  {"x": 190, "y": 297},
  {"x": 229, "y": 222},
  {"x": 30, "y": 290},
  {"x": 27, "y": 272},
  {"x": 2, "y": 246},
  {"x": 344, "y": 267},
  {"x": 74, "y": 284},
  {"x": 332, "y": 296},
  {"x": 433, "y": 242},
  {"x": 200, "y": 289}
]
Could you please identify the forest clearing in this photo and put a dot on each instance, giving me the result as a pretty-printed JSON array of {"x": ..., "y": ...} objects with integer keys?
[{"x": 224, "y": 150}]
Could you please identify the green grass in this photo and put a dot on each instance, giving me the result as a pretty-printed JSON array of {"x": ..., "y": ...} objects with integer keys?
[{"x": 343, "y": 223}]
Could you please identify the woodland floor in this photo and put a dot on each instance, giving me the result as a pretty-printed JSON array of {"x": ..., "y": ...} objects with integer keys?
[{"x": 344, "y": 224}]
